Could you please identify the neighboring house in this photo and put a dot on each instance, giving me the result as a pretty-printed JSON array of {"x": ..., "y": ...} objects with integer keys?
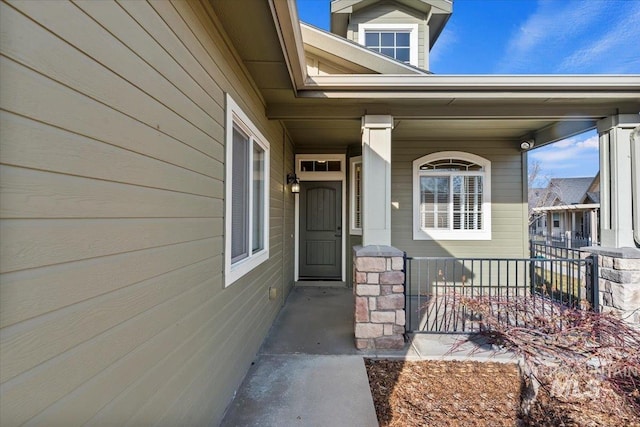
[
  {"x": 149, "y": 234},
  {"x": 566, "y": 212}
]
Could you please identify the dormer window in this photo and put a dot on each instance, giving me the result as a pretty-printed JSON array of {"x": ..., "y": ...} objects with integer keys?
[
  {"x": 398, "y": 41},
  {"x": 391, "y": 43}
]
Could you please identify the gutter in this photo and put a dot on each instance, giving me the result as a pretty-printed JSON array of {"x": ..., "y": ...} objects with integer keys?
[
  {"x": 576, "y": 207},
  {"x": 609, "y": 83}
]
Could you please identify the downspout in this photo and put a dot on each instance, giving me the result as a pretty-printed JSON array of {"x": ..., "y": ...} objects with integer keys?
[
  {"x": 635, "y": 183},
  {"x": 525, "y": 204},
  {"x": 284, "y": 211}
]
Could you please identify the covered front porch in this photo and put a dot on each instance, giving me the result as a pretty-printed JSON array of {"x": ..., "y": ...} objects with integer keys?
[
  {"x": 378, "y": 124},
  {"x": 308, "y": 372}
]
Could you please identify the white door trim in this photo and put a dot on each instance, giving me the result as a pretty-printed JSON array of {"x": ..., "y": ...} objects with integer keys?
[{"x": 321, "y": 176}]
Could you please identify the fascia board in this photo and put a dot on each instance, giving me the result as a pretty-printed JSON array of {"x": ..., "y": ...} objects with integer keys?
[
  {"x": 477, "y": 94},
  {"x": 343, "y": 6},
  {"x": 285, "y": 17},
  {"x": 441, "y": 6}
]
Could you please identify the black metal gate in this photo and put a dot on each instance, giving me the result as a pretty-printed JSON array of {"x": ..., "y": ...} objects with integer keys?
[{"x": 434, "y": 286}]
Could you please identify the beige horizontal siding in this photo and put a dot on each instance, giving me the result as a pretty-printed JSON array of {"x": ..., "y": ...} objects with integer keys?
[
  {"x": 41, "y": 290},
  {"x": 113, "y": 307},
  {"x": 39, "y": 146},
  {"x": 508, "y": 207}
]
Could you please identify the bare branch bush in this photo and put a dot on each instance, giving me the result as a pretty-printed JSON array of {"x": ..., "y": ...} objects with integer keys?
[{"x": 573, "y": 356}]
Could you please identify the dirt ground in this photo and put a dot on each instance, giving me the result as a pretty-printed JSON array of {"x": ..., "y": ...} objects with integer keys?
[{"x": 450, "y": 393}]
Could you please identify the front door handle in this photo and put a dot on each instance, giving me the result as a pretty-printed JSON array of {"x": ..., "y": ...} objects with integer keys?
[{"x": 338, "y": 232}]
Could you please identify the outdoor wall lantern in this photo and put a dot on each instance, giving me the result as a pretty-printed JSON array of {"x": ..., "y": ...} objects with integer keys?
[
  {"x": 527, "y": 145},
  {"x": 295, "y": 183}
]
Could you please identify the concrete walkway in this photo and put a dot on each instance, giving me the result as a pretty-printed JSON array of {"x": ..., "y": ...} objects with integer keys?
[{"x": 309, "y": 373}]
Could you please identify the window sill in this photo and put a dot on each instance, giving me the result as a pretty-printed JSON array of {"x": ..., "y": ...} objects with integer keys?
[
  {"x": 241, "y": 268},
  {"x": 451, "y": 235}
]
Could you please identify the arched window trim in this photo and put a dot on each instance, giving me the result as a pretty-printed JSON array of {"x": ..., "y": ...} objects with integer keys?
[{"x": 484, "y": 233}]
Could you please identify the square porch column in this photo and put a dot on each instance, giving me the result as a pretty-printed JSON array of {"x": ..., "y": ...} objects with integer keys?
[
  {"x": 376, "y": 180},
  {"x": 616, "y": 193}
]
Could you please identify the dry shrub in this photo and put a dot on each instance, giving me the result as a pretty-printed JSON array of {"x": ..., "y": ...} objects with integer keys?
[{"x": 583, "y": 367}]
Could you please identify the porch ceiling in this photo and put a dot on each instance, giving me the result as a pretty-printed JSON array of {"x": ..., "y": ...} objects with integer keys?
[{"x": 337, "y": 134}]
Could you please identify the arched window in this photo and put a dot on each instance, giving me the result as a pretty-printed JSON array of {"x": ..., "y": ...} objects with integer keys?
[{"x": 452, "y": 197}]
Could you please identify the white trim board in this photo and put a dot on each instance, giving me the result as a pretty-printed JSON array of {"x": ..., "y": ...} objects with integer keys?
[{"x": 411, "y": 28}]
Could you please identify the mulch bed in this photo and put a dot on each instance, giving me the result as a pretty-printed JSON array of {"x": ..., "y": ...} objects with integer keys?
[
  {"x": 452, "y": 393},
  {"x": 444, "y": 393}
]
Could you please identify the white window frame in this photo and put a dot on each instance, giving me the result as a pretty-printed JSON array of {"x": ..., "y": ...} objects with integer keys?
[
  {"x": 411, "y": 28},
  {"x": 236, "y": 117},
  {"x": 353, "y": 190},
  {"x": 449, "y": 234}
]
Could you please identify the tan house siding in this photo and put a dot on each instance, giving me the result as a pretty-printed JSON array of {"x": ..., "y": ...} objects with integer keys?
[
  {"x": 507, "y": 206},
  {"x": 392, "y": 13},
  {"x": 113, "y": 307},
  {"x": 317, "y": 66}
]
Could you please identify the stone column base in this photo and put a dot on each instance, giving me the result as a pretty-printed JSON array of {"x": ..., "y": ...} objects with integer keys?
[
  {"x": 619, "y": 281},
  {"x": 379, "y": 295}
]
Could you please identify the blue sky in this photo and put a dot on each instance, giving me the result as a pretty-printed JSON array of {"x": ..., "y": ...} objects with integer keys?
[{"x": 534, "y": 37}]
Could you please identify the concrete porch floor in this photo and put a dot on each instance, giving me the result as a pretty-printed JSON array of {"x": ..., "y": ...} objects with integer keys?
[{"x": 309, "y": 373}]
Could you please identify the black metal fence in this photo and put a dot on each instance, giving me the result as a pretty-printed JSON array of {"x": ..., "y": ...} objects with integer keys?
[
  {"x": 434, "y": 287},
  {"x": 543, "y": 250},
  {"x": 562, "y": 241}
]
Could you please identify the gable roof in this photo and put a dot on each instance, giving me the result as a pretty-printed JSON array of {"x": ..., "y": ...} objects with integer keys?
[
  {"x": 437, "y": 12},
  {"x": 591, "y": 197},
  {"x": 593, "y": 192},
  {"x": 569, "y": 191}
]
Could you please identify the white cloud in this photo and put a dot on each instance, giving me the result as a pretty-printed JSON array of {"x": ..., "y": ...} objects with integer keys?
[
  {"x": 591, "y": 143},
  {"x": 552, "y": 33},
  {"x": 568, "y": 152},
  {"x": 617, "y": 50}
]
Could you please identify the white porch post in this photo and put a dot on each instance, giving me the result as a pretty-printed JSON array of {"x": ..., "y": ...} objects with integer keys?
[
  {"x": 376, "y": 180},
  {"x": 615, "y": 185},
  {"x": 593, "y": 226}
]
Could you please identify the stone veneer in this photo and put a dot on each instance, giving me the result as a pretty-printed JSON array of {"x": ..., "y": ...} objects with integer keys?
[
  {"x": 619, "y": 281},
  {"x": 378, "y": 286}
]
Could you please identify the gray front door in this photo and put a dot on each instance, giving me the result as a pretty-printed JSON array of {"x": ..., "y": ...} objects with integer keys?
[{"x": 320, "y": 230}]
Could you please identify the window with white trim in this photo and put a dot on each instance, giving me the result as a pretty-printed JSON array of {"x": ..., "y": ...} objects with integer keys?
[
  {"x": 452, "y": 197},
  {"x": 398, "y": 41},
  {"x": 356, "y": 195},
  {"x": 247, "y": 195}
]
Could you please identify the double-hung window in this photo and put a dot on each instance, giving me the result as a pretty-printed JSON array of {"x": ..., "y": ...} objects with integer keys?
[
  {"x": 247, "y": 195},
  {"x": 398, "y": 41},
  {"x": 452, "y": 197}
]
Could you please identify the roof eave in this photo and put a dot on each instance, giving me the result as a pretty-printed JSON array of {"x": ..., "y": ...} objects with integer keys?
[
  {"x": 575, "y": 207},
  {"x": 626, "y": 85},
  {"x": 285, "y": 17}
]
